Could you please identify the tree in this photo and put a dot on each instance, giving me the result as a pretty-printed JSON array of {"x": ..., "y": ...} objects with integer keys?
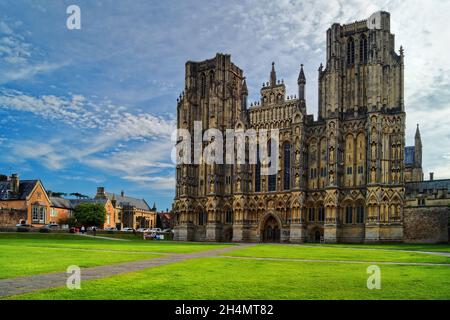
[
  {"x": 70, "y": 221},
  {"x": 50, "y": 193},
  {"x": 90, "y": 214},
  {"x": 79, "y": 195}
]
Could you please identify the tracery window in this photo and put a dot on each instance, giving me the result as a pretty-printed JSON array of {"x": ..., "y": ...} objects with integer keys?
[
  {"x": 351, "y": 51},
  {"x": 363, "y": 49}
]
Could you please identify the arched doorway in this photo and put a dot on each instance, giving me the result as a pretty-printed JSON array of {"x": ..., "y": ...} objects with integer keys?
[
  {"x": 270, "y": 231},
  {"x": 316, "y": 235}
]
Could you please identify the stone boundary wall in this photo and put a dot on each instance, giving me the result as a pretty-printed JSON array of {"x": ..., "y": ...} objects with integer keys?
[
  {"x": 426, "y": 224},
  {"x": 11, "y": 217}
]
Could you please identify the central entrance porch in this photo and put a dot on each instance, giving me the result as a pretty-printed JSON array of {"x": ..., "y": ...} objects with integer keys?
[{"x": 270, "y": 231}]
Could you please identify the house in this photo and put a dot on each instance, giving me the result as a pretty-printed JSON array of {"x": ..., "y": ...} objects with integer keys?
[
  {"x": 28, "y": 196},
  {"x": 165, "y": 220},
  {"x": 60, "y": 209},
  {"x": 130, "y": 212}
]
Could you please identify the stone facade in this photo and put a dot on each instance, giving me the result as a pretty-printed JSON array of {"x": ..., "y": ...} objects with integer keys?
[
  {"x": 11, "y": 217},
  {"x": 340, "y": 178},
  {"x": 426, "y": 224}
]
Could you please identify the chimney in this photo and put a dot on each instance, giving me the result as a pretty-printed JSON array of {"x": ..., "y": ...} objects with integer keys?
[
  {"x": 14, "y": 183},
  {"x": 122, "y": 194},
  {"x": 100, "y": 193},
  {"x": 431, "y": 176}
]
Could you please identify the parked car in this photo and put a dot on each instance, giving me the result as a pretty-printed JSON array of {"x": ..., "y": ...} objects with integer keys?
[
  {"x": 141, "y": 230},
  {"x": 127, "y": 229},
  {"x": 168, "y": 230},
  {"x": 155, "y": 230},
  {"x": 24, "y": 225},
  {"x": 110, "y": 229},
  {"x": 51, "y": 226}
]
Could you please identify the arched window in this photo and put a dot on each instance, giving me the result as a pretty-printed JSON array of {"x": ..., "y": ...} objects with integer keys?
[
  {"x": 321, "y": 217},
  {"x": 203, "y": 85},
  {"x": 350, "y": 51},
  {"x": 273, "y": 177},
  {"x": 360, "y": 214},
  {"x": 258, "y": 171},
  {"x": 229, "y": 216},
  {"x": 311, "y": 214},
  {"x": 349, "y": 215},
  {"x": 363, "y": 49},
  {"x": 201, "y": 218},
  {"x": 211, "y": 78},
  {"x": 287, "y": 166}
]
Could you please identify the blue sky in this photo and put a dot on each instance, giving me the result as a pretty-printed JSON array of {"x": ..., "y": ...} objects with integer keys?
[{"x": 96, "y": 106}]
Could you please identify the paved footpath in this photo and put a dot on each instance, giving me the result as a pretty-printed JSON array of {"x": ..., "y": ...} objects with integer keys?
[{"x": 10, "y": 287}]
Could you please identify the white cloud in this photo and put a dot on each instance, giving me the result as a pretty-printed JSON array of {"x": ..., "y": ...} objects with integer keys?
[
  {"x": 77, "y": 111},
  {"x": 16, "y": 57},
  {"x": 105, "y": 131},
  {"x": 154, "y": 182},
  {"x": 42, "y": 152}
]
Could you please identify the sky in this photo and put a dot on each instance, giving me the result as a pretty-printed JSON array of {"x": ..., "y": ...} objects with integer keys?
[{"x": 96, "y": 106}]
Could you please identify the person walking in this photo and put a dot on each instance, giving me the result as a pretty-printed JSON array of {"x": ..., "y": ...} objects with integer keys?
[
  {"x": 83, "y": 230},
  {"x": 94, "y": 230}
]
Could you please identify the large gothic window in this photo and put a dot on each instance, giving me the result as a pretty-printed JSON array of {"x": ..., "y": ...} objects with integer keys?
[
  {"x": 273, "y": 177},
  {"x": 351, "y": 51},
  {"x": 258, "y": 172},
  {"x": 287, "y": 166},
  {"x": 363, "y": 49}
]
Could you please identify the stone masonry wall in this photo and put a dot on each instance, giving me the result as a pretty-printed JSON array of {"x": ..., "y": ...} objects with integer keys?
[
  {"x": 426, "y": 224},
  {"x": 11, "y": 217}
]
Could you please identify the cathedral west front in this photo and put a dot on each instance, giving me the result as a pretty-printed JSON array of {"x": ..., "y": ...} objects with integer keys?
[{"x": 339, "y": 178}]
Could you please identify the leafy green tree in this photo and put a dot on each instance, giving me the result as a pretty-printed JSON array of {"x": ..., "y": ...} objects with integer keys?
[
  {"x": 90, "y": 214},
  {"x": 70, "y": 221}
]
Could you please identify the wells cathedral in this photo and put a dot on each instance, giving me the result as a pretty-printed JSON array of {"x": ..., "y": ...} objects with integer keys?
[{"x": 346, "y": 176}]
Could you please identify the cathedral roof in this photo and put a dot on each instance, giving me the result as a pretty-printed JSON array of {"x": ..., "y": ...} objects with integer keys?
[{"x": 423, "y": 186}]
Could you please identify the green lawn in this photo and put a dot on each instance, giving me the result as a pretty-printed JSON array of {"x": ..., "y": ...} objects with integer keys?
[
  {"x": 225, "y": 278},
  {"x": 335, "y": 253},
  {"x": 228, "y": 277},
  {"x": 24, "y": 261},
  {"x": 23, "y": 254},
  {"x": 397, "y": 246},
  {"x": 78, "y": 242}
]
